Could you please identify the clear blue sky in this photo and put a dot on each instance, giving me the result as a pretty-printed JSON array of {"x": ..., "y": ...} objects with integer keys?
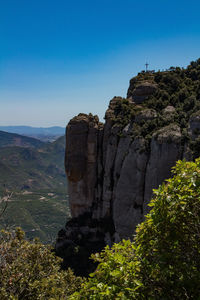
[{"x": 60, "y": 57}]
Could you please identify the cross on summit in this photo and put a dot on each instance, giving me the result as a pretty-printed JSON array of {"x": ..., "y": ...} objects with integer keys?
[
  {"x": 147, "y": 70},
  {"x": 146, "y": 65}
]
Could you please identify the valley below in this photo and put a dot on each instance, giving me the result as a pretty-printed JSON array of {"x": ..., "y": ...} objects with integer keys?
[
  {"x": 39, "y": 213},
  {"x": 33, "y": 186}
]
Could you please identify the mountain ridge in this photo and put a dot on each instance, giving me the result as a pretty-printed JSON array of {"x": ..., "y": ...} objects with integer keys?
[
  {"x": 41, "y": 133},
  {"x": 33, "y": 167},
  {"x": 13, "y": 139}
]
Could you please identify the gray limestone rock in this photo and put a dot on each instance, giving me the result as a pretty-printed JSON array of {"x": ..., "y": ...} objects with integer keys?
[
  {"x": 112, "y": 145},
  {"x": 169, "y": 113},
  {"x": 80, "y": 162},
  {"x": 146, "y": 114},
  {"x": 142, "y": 91},
  {"x": 128, "y": 201},
  {"x": 166, "y": 149}
]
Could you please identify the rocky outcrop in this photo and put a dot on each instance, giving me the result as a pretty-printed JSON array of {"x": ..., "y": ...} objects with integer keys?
[
  {"x": 194, "y": 125},
  {"x": 145, "y": 115},
  {"x": 113, "y": 168},
  {"x": 141, "y": 91},
  {"x": 82, "y": 146}
]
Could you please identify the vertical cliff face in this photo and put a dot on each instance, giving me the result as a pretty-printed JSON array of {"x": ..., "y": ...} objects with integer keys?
[
  {"x": 112, "y": 168},
  {"x": 111, "y": 174},
  {"x": 82, "y": 146}
]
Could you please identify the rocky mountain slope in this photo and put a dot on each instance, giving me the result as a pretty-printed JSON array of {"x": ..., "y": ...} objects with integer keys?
[
  {"x": 11, "y": 139},
  {"x": 48, "y": 134},
  {"x": 30, "y": 168},
  {"x": 112, "y": 168},
  {"x": 33, "y": 173}
]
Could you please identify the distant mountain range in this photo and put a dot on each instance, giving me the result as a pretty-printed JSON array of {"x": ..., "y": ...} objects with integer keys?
[
  {"x": 12, "y": 139},
  {"x": 33, "y": 171},
  {"x": 44, "y": 134}
]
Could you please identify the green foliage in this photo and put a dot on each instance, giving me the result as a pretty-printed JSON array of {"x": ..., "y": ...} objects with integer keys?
[
  {"x": 31, "y": 270},
  {"x": 124, "y": 112},
  {"x": 177, "y": 87},
  {"x": 163, "y": 261},
  {"x": 115, "y": 277}
]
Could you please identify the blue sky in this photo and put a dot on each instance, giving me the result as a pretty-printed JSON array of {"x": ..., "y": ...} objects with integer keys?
[{"x": 59, "y": 58}]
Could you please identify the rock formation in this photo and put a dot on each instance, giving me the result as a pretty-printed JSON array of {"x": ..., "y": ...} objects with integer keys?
[
  {"x": 142, "y": 91},
  {"x": 112, "y": 169}
]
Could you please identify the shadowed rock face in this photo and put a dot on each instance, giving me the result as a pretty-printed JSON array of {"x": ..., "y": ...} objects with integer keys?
[
  {"x": 82, "y": 144},
  {"x": 194, "y": 125}
]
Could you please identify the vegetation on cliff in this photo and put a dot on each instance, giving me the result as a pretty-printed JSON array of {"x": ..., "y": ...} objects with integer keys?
[
  {"x": 175, "y": 100},
  {"x": 30, "y": 270},
  {"x": 163, "y": 261}
]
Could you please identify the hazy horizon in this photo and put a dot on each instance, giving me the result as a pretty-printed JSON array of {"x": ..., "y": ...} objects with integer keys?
[
  {"x": 60, "y": 58},
  {"x": 30, "y": 126}
]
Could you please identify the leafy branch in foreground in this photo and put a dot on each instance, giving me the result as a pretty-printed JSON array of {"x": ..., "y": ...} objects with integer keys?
[{"x": 163, "y": 262}]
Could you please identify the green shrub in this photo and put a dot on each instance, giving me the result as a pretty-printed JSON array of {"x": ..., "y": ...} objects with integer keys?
[
  {"x": 163, "y": 262},
  {"x": 30, "y": 270},
  {"x": 124, "y": 112}
]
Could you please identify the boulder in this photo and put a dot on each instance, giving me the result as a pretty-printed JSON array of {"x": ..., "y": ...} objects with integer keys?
[{"x": 142, "y": 91}]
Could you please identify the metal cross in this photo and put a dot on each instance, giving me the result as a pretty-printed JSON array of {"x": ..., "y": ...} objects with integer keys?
[{"x": 146, "y": 66}]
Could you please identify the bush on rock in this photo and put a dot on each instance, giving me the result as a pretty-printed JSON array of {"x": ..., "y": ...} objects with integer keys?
[{"x": 30, "y": 270}]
